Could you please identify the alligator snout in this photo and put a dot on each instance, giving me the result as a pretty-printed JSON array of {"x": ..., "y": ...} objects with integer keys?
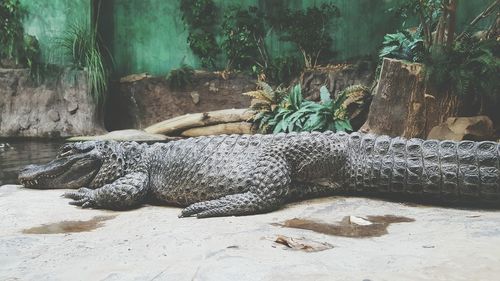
[{"x": 27, "y": 173}]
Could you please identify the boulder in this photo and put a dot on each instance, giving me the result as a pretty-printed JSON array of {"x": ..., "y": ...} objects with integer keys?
[
  {"x": 60, "y": 106},
  {"x": 464, "y": 128},
  {"x": 54, "y": 115}
]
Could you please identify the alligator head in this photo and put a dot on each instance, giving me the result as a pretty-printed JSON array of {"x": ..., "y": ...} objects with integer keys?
[{"x": 90, "y": 164}]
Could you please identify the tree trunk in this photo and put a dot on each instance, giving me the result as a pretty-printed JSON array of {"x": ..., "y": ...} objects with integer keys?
[
  {"x": 438, "y": 107},
  {"x": 403, "y": 105}
]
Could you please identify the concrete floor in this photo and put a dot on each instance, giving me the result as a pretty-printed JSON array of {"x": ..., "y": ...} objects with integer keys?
[{"x": 151, "y": 243}]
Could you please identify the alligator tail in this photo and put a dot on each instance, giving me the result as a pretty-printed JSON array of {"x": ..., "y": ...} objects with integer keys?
[{"x": 429, "y": 170}]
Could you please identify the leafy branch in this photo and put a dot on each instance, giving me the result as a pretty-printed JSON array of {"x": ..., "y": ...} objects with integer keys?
[{"x": 200, "y": 17}]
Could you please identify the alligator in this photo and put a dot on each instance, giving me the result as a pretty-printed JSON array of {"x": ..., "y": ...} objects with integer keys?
[{"x": 249, "y": 174}]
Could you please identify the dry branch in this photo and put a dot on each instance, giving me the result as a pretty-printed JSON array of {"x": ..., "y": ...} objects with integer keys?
[
  {"x": 188, "y": 121},
  {"x": 490, "y": 9},
  {"x": 220, "y": 129}
]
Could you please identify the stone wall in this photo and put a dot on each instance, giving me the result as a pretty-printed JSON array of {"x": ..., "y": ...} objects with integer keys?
[
  {"x": 58, "y": 107},
  {"x": 141, "y": 103}
]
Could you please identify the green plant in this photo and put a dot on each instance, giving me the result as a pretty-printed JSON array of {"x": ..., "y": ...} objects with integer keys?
[
  {"x": 283, "y": 69},
  {"x": 201, "y": 17},
  {"x": 310, "y": 30},
  {"x": 243, "y": 38},
  {"x": 294, "y": 114},
  {"x": 16, "y": 46},
  {"x": 181, "y": 77},
  {"x": 403, "y": 45},
  {"x": 265, "y": 100},
  {"x": 428, "y": 12},
  {"x": 11, "y": 30},
  {"x": 460, "y": 65},
  {"x": 31, "y": 51},
  {"x": 471, "y": 66},
  {"x": 80, "y": 43}
]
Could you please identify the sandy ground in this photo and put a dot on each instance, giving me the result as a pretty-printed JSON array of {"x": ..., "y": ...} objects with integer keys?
[{"x": 151, "y": 243}]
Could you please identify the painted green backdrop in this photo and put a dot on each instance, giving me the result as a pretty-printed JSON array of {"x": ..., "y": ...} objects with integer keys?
[
  {"x": 47, "y": 20},
  {"x": 150, "y": 36}
]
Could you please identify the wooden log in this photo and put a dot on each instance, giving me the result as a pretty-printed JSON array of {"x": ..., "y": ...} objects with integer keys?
[
  {"x": 220, "y": 129},
  {"x": 126, "y": 135},
  {"x": 188, "y": 121},
  {"x": 403, "y": 105}
]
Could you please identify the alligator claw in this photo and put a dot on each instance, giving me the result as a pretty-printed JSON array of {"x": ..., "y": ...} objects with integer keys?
[
  {"x": 82, "y": 197},
  {"x": 205, "y": 209},
  {"x": 192, "y": 210}
]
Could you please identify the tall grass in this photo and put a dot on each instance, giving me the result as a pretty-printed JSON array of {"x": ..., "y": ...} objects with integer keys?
[{"x": 79, "y": 42}]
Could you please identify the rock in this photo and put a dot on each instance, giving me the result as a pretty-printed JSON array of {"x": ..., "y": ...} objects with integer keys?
[
  {"x": 442, "y": 132},
  {"x": 126, "y": 135},
  {"x": 28, "y": 109},
  {"x": 54, "y": 115},
  {"x": 196, "y": 97},
  {"x": 24, "y": 124},
  {"x": 5, "y": 146},
  {"x": 464, "y": 128},
  {"x": 72, "y": 107},
  {"x": 148, "y": 101},
  {"x": 213, "y": 88}
]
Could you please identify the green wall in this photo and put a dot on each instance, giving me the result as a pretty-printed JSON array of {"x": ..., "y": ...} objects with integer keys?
[
  {"x": 150, "y": 36},
  {"x": 47, "y": 20},
  {"x": 144, "y": 35}
]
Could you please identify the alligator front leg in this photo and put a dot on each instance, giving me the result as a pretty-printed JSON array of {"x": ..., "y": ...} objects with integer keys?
[
  {"x": 126, "y": 192},
  {"x": 269, "y": 185}
]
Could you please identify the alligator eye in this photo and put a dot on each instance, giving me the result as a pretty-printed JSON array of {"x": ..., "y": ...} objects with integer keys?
[
  {"x": 65, "y": 151},
  {"x": 83, "y": 147}
]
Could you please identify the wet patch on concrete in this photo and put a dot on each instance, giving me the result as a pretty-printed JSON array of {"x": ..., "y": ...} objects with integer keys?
[
  {"x": 375, "y": 226},
  {"x": 69, "y": 226}
]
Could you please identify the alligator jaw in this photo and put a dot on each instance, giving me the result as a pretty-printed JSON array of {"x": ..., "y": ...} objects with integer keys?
[{"x": 65, "y": 172}]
